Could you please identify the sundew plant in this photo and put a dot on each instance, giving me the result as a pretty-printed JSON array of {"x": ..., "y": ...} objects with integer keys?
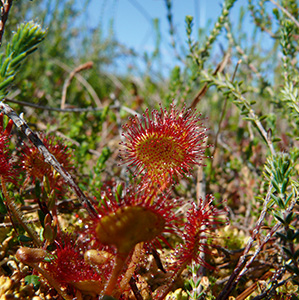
[{"x": 149, "y": 186}]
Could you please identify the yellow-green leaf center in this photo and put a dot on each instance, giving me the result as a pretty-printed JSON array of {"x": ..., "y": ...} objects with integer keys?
[{"x": 129, "y": 226}]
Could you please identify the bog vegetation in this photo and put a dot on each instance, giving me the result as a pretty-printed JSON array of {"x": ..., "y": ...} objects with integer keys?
[{"x": 144, "y": 184}]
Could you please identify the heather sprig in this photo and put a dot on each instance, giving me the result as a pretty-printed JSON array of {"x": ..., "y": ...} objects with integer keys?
[
  {"x": 23, "y": 43},
  {"x": 223, "y": 83},
  {"x": 203, "y": 53}
]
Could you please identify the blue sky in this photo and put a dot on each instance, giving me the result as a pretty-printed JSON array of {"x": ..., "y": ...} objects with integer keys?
[{"x": 133, "y": 20}]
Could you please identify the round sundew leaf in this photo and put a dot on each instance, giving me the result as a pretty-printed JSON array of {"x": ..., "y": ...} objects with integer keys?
[
  {"x": 164, "y": 145},
  {"x": 129, "y": 226}
]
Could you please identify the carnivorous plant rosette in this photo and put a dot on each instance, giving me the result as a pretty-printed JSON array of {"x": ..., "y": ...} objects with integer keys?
[
  {"x": 164, "y": 145},
  {"x": 135, "y": 217},
  {"x": 35, "y": 166},
  {"x": 202, "y": 219},
  {"x": 68, "y": 267}
]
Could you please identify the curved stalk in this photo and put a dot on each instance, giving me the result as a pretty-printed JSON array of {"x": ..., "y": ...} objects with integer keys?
[
  {"x": 119, "y": 263},
  {"x": 130, "y": 271},
  {"x": 14, "y": 210}
]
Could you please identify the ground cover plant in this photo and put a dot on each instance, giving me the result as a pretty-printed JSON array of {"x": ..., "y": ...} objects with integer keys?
[{"x": 184, "y": 187}]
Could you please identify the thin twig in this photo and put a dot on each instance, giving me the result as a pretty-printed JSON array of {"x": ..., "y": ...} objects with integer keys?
[
  {"x": 286, "y": 12},
  {"x": 263, "y": 243},
  {"x": 220, "y": 67},
  {"x": 223, "y": 112},
  {"x": 73, "y": 109},
  {"x": 67, "y": 83},
  {"x": 82, "y": 80},
  {"x": 242, "y": 53},
  {"x": 4, "y": 15},
  {"x": 172, "y": 30},
  {"x": 240, "y": 270},
  {"x": 234, "y": 278},
  {"x": 48, "y": 157}
]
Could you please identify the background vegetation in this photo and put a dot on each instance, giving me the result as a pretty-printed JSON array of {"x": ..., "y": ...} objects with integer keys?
[{"x": 248, "y": 95}]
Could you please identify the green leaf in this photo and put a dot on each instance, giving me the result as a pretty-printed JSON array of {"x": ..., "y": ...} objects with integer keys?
[
  {"x": 41, "y": 217},
  {"x": 24, "y": 238},
  {"x": 275, "y": 185},
  {"x": 274, "y": 198},
  {"x": 290, "y": 234},
  {"x": 261, "y": 118},
  {"x": 4, "y": 66},
  {"x": 16, "y": 61},
  {"x": 4, "y": 84},
  {"x": 34, "y": 280},
  {"x": 281, "y": 220},
  {"x": 296, "y": 254},
  {"x": 23, "y": 42},
  {"x": 284, "y": 185},
  {"x": 289, "y": 218},
  {"x": 287, "y": 252},
  {"x": 282, "y": 236},
  {"x": 280, "y": 203}
]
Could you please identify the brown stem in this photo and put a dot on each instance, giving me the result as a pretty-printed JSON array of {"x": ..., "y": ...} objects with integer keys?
[
  {"x": 67, "y": 83},
  {"x": 119, "y": 263},
  {"x": 170, "y": 284},
  {"x": 130, "y": 271},
  {"x": 4, "y": 15},
  {"x": 205, "y": 88},
  {"x": 52, "y": 281}
]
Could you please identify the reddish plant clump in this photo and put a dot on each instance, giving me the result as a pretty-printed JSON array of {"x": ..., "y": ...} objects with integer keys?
[
  {"x": 139, "y": 215},
  {"x": 128, "y": 223},
  {"x": 164, "y": 145},
  {"x": 68, "y": 267},
  {"x": 7, "y": 172},
  {"x": 35, "y": 167},
  {"x": 202, "y": 219}
]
